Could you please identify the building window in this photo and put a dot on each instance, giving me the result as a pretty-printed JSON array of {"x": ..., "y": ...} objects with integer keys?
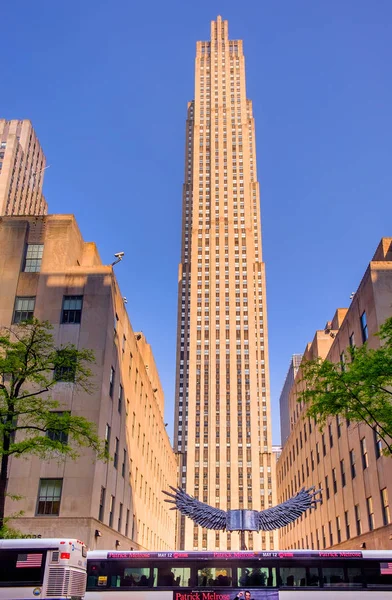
[
  {"x": 107, "y": 438},
  {"x": 334, "y": 482},
  {"x": 326, "y": 487},
  {"x": 115, "y": 458},
  {"x": 33, "y": 258},
  {"x": 127, "y": 523},
  {"x": 330, "y": 435},
  {"x": 358, "y": 519},
  {"x": 102, "y": 504},
  {"x": 365, "y": 458},
  {"x": 321, "y": 496},
  {"x": 72, "y": 309},
  {"x": 323, "y": 536},
  {"x": 65, "y": 366},
  {"x": 124, "y": 463},
  {"x": 338, "y": 529},
  {"x": 111, "y": 381},
  {"x": 120, "y": 398},
  {"x": 347, "y": 523},
  {"x": 24, "y": 309},
  {"x": 120, "y": 511},
  {"x": 352, "y": 464},
  {"x": 58, "y": 432},
  {"x": 343, "y": 473},
  {"x": 351, "y": 340},
  {"x": 111, "y": 511},
  {"x": 324, "y": 445},
  {"x": 377, "y": 444},
  {"x": 386, "y": 516},
  {"x": 364, "y": 327},
  {"x": 330, "y": 533},
  {"x": 49, "y": 496},
  {"x": 370, "y": 511},
  {"x": 339, "y": 425}
]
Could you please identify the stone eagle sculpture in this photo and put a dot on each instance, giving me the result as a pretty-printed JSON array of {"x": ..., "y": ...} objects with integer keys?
[{"x": 243, "y": 519}]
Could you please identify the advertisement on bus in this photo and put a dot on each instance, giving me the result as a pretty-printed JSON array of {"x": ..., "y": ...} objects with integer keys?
[{"x": 225, "y": 594}]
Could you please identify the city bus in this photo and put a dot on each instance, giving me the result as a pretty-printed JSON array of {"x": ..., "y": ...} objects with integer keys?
[
  {"x": 242, "y": 575},
  {"x": 43, "y": 568}
]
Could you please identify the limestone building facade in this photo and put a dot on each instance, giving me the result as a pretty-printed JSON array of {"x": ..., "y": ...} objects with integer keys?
[
  {"x": 222, "y": 403},
  {"x": 346, "y": 459},
  {"x": 295, "y": 362},
  {"x": 22, "y": 168},
  {"x": 47, "y": 270}
]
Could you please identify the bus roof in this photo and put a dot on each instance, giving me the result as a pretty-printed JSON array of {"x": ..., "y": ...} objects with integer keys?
[
  {"x": 38, "y": 543},
  {"x": 240, "y": 555}
]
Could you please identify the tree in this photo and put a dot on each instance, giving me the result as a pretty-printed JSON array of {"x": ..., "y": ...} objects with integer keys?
[
  {"x": 359, "y": 388},
  {"x": 32, "y": 422}
]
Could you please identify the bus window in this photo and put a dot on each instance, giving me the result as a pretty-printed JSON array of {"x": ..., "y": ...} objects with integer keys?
[
  {"x": 293, "y": 576},
  {"x": 126, "y": 575},
  {"x": 313, "y": 578},
  {"x": 333, "y": 576},
  {"x": 172, "y": 577},
  {"x": 256, "y": 577},
  {"x": 377, "y": 574},
  {"x": 97, "y": 573},
  {"x": 214, "y": 577},
  {"x": 21, "y": 567},
  {"x": 354, "y": 576}
]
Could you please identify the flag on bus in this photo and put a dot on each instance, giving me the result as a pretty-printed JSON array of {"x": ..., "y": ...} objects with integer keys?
[
  {"x": 28, "y": 560},
  {"x": 386, "y": 568}
]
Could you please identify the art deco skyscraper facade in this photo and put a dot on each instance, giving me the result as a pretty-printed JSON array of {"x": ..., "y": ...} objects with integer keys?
[
  {"x": 222, "y": 410},
  {"x": 22, "y": 166}
]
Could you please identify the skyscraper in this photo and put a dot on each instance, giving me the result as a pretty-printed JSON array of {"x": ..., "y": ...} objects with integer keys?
[
  {"x": 222, "y": 407},
  {"x": 22, "y": 166}
]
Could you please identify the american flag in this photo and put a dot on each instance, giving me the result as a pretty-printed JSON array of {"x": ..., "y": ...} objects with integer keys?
[
  {"x": 386, "y": 568},
  {"x": 28, "y": 560}
]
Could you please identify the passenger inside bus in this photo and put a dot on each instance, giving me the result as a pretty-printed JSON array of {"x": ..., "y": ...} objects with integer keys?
[
  {"x": 132, "y": 577},
  {"x": 256, "y": 576},
  {"x": 166, "y": 577},
  {"x": 214, "y": 577},
  {"x": 178, "y": 576}
]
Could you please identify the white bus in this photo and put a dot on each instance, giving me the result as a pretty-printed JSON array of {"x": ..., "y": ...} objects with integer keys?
[
  {"x": 42, "y": 568},
  {"x": 284, "y": 575}
]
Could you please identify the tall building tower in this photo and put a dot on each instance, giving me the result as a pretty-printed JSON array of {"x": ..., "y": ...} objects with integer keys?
[
  {"x": 22, "y": 166},
  {"x": 222, "y": 409}
]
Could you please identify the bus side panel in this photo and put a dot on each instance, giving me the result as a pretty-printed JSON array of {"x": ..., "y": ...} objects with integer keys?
[
  {"x": 128, "y": 595},
  {"x": 19, "y": 593},
  {"x": 335, "y": 594}
]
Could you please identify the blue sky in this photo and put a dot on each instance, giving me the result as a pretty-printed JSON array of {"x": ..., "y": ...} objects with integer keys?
[{"x": 106, "y": 84}]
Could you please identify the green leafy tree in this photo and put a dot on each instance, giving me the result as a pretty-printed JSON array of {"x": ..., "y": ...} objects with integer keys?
[
  {"x": 32, "y": 422},
  {"x": 8, "y": 532},
  {"x": 359, "y": 388}
]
